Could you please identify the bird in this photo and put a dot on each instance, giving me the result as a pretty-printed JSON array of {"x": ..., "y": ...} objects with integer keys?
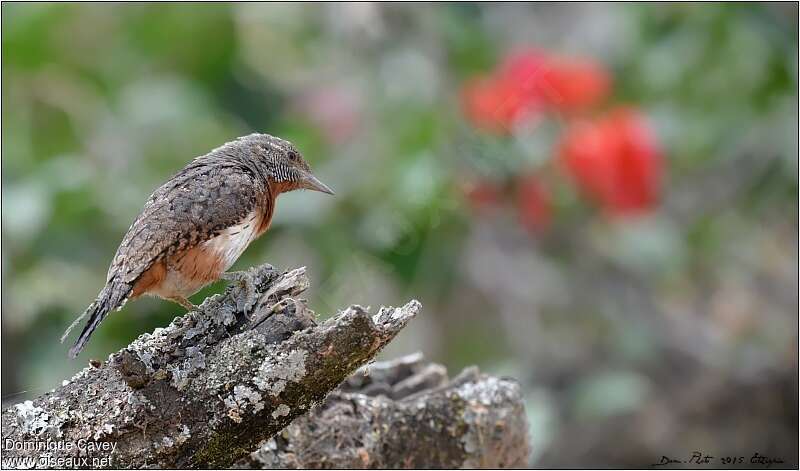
[{"x": 196, "y": 225}]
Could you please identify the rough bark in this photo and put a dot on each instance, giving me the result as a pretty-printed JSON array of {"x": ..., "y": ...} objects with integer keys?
[
  {"x": 207, "y": 389},
  {"x": 406, "y": 414}
]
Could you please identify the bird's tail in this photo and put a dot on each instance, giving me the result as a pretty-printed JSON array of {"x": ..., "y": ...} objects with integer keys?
[{"x": 112, "y": 297}]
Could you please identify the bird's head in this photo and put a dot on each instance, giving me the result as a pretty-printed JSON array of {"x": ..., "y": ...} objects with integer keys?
[{"x": 283, "y": 163}]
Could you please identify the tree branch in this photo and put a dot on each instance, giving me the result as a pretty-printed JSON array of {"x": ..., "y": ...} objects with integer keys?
[
  {"x": 406, "y": 414},
  {"x": 207, "y": 389}
]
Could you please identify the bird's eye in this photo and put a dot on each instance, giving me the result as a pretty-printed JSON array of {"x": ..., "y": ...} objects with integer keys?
[{"x": 292, "y": 156}]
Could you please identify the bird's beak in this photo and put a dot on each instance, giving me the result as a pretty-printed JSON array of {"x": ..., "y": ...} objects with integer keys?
[{"x": 310, "y": 182}]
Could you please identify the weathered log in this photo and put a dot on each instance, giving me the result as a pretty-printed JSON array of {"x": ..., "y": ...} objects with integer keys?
[
  {"x": 207, "y": 389},
  {"x": 406, "y": 414}
]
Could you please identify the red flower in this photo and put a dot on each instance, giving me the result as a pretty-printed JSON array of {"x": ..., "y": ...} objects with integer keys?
[
  {"x": 563, "y": 83},
  {"x": 524, "y": 70},
  {"x": 496, "y": 105},
  {"x": 573, "y": 85},
  {"x": 615, "y": 161},
  {"x": 509, "y": 96},
  {"x": 534, "y": 204},
  {"x": 526, "y": 82}
]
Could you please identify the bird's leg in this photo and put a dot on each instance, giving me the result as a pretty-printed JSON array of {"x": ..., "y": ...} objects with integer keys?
[{"x": 183, "y": 302}]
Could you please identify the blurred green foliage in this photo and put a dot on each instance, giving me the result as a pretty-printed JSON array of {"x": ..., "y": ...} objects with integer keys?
[{"x": 102, "y": 102}]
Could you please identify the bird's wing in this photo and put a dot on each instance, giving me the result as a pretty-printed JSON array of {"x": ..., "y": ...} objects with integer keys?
[{"x": 192, "y": 207}]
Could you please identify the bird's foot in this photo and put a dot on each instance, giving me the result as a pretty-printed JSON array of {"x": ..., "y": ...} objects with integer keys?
[{"x": 184, "y": 302}]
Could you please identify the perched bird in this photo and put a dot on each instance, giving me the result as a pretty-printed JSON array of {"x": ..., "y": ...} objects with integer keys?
[{"x": 195, "y": 226}]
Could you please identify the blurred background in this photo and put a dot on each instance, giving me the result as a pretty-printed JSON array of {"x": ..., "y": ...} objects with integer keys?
[{"x": 599, "y": 200}]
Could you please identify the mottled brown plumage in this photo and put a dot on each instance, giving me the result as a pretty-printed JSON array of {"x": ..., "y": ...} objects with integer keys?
[{"x": 194, "y": 226}]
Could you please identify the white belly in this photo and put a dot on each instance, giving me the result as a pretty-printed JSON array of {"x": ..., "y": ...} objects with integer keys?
[{"x": 231, "y": 243}]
